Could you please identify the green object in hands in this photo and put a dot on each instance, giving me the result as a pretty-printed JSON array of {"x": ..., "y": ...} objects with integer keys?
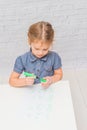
[
  {"x": 29, "y": 75},
  {"x": 34, "y": 76},
  {"x": 42, "y": 80}
]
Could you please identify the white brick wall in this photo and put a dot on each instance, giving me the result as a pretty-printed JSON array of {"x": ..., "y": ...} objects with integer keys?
[{"x": 68, "y": 17}]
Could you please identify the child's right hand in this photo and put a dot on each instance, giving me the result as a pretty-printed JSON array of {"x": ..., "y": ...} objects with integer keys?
[{"x": 29, "y": 81}]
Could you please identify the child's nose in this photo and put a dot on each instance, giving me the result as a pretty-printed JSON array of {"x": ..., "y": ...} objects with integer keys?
[{"x": 41, "y": 52}]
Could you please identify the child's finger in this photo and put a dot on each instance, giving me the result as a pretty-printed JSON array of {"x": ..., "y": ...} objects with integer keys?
[{"x": 29, "y": 81}]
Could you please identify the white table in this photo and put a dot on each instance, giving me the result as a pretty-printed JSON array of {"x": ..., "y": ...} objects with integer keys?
[{"x": 35, "y": 108}]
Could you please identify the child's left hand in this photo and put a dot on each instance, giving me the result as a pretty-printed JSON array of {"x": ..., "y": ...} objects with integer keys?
[{"x": 48, "y": 82}]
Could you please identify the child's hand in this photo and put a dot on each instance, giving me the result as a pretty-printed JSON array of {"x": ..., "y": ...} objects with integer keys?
[
  {"x": 29, "y": 81},
  {"x": 47, "y": 83}
]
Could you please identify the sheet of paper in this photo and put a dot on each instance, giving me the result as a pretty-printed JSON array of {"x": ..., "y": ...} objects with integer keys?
[{"x": 37, "y": 108}]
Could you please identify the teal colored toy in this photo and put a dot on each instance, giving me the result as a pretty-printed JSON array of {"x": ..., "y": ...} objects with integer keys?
[
  {"x": 34, "y": 76},
  {"x": 42, "y": 80},
  {"x": 29, "y": 75}
]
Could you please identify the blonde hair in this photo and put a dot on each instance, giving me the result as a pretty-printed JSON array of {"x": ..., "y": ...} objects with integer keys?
[{"x": 41, "y": 31}]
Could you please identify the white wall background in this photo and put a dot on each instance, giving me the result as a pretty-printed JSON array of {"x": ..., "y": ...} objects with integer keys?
[{"x": 68, "y": 17}]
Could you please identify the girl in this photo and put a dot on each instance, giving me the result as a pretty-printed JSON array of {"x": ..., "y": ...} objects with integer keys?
[{"x": 39, "y": 61}]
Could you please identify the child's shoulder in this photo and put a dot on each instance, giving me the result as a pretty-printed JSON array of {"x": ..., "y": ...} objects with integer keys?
[
  {"x": 23, "y": 56},
  {"x": 53, "y": 53}
]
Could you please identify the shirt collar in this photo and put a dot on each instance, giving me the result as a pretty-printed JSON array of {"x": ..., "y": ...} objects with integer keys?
[{"x": 33, "y": 58}]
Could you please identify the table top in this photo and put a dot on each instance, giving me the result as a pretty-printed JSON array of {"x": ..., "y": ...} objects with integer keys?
[{"x": 37, "y": 108}]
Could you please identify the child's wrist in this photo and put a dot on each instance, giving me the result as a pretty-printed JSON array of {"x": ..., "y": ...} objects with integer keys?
[
  {"x": 25, "y": 81},
  {"x": 52, "y": 79}
]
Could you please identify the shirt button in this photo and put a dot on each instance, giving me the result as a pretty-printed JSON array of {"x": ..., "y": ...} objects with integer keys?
[{"x": 38, "y": 70}]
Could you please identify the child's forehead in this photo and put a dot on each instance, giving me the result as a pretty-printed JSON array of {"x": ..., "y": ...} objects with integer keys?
[{"x": 40, "y": 44}]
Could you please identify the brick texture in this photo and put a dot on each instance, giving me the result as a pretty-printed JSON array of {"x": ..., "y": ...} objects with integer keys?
[{"x": 68, "y": 17}]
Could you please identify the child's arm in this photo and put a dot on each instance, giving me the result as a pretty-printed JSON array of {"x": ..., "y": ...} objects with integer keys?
[
  {"x": 58, "y": 74},
  {"x": 16, "y": 81}
]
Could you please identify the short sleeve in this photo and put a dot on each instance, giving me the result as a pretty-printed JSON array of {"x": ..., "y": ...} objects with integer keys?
[
  {"x": 57, "y": 61},
  {"x": 18, "y": 66}
]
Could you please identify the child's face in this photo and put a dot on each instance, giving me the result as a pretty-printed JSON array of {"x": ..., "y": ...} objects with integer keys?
[{"x": 40, "y": 49}]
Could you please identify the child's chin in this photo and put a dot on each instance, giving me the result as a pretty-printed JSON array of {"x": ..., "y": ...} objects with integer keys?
[{"x": 39, "y": 56}]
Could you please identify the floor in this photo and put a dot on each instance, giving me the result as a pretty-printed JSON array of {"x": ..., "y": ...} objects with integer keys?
[{"x": 78, "y": 86}]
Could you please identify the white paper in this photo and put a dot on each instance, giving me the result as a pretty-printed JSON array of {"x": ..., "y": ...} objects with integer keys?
[{"x": 37, "y": 108}]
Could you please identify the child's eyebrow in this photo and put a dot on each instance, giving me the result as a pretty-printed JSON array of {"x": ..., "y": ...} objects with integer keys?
[
  {"x": 46, "y": 48},
  {"x": 36, "y": 48},
  {"x": 43, "y": 48}
]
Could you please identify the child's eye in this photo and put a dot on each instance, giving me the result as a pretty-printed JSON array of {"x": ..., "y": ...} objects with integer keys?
[
  {"x": 39, "y": 49},
  {"x": 36, "y": 48},
  {"x": 45, "y": 49}
]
